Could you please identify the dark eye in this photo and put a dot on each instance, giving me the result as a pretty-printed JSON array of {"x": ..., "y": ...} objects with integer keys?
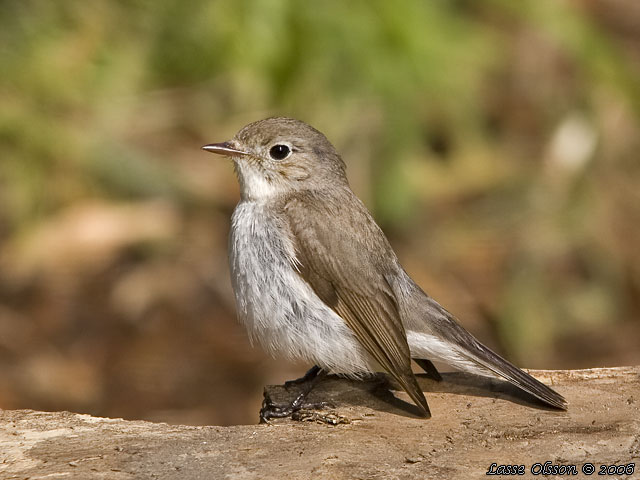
[{"x": 279, "y": 152}]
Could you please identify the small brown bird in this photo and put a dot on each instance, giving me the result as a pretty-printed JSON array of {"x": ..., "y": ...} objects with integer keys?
[{"x": 316, "y": 279}]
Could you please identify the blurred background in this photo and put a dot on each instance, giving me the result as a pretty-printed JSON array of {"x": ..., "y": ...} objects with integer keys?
[{"x": 495, "y": 142}]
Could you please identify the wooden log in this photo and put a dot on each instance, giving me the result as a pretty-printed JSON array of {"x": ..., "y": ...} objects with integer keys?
[{"x": 476, "y": 424}]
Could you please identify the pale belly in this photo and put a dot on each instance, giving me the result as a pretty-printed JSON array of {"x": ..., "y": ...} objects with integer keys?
[{"x": 278, "y": 308}]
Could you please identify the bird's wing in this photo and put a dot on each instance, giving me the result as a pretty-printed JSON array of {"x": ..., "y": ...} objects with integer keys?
[{"x": 347, "y": 272}]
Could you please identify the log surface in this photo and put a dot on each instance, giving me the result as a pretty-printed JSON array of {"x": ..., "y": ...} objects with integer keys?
[{"x": 476, "y": 422}]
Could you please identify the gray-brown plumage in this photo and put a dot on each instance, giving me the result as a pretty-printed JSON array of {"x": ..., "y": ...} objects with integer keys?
[
  {"x": 315, "y": 278},
  {"x": 348, "y": 272}
]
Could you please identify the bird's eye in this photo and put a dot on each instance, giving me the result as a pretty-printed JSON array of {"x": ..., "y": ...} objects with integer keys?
[{"x": 279, "y": 152}]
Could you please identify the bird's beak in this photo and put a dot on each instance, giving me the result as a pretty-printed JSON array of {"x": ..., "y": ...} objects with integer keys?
[{"x": 224, "y": 148}]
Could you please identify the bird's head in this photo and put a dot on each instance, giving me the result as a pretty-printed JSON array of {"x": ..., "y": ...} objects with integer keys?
[{"x": 281, "y": 155}]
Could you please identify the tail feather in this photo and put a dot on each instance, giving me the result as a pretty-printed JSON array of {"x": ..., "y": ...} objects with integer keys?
[
  {"x": 503, "y": 368},
  {"x": 473, "y": 351},
  {"x": 433, "y": 333}
]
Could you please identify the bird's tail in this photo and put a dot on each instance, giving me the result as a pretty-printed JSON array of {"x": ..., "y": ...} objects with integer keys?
[
  {"x": 493, "y": 362},
  {"x": 452, "y": 344}
]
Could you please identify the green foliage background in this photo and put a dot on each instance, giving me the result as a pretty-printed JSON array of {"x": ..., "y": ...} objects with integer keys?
[{"x": 496, "y": 142}]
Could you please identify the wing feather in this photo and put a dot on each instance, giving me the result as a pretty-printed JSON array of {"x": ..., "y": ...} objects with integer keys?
[{"x": 347, "y": 271}]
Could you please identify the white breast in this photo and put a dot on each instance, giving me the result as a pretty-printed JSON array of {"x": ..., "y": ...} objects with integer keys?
[{"x": 279, "y": 309}]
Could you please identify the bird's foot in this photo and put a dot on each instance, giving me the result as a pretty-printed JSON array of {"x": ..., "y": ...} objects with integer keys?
[
  {"x": 300, "y": 409},
  {"x": 293, "y": 409},
  {"x": 329, "y": 418},
  {"x": 311, "y": 374},
  {"x": 429, "y": 368}
]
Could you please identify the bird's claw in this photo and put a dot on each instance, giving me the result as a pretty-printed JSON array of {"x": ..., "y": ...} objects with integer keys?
[
  {"x": 311, "y": 416},
  {"x": 293, "y": 409}
]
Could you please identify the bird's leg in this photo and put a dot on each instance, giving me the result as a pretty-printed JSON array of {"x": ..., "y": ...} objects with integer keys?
[
  {"x": 271, "y": 409},
  {"x": 429, "y": 368},
  {"x": 311, "y": 374}
]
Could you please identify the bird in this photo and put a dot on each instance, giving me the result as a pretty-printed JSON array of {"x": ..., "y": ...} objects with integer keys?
[{"x": 316, "y": 279}]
